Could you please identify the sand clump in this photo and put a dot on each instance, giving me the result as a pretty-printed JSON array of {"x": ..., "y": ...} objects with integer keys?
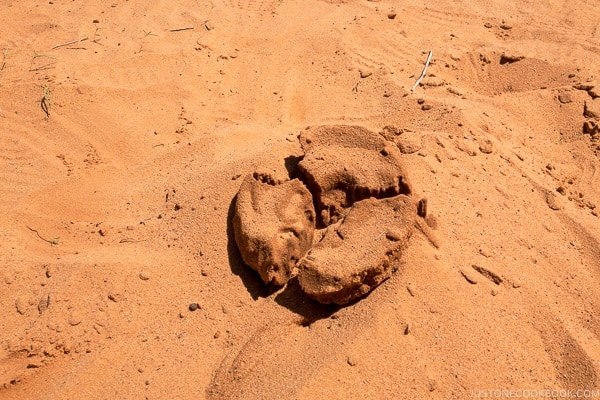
[
  {"x": 358, "y": 253},
  {"x": 274, "y": 223},
  {"x": 345, "y": 164},
  {"x": 360, "y": 189}
]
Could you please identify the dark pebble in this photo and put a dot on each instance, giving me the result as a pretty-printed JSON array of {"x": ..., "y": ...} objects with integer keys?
[{"x": 194, "y": 306}]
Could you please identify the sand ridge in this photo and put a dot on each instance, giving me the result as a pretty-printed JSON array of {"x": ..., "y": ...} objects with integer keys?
[{"x": 118, "y": 202}]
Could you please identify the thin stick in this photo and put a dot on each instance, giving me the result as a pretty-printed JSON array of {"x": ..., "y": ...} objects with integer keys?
[
  {"x": 186, "y": 28},
  {"x": 422, "y": 73},
  {"x": 380, "y": 235},
  {"x": 53, "y": 241},
  {"x": 68, "y": 43}
]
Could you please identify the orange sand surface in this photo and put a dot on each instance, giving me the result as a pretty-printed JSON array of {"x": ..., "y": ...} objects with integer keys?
[{"x": 126, "y": 128}]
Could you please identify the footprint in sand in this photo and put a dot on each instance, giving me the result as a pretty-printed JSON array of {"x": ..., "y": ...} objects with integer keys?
[{"x": 353, "y": 197}]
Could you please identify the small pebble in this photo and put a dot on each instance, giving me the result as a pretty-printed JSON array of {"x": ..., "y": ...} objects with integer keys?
[
  {"x": 75, "y": 318},
  {"x": 217, "y": 334},
  {"x": 143, "y": 276},
  {"x": 392, "y": 15},
  {"x": 351, "y": 361},
  {"x": 407, "y": 328},
  {"x": 486, "y": 147},
  {"x": 116, "y": 297},
  {"x": 426, "y": 107},
  {"x": 21, "y": 305},
  {"x": 194, "y": 306},
  {"x": 44, "y": 303},
  {"x": 564, "y": 98},
  {"x": 393, "y": 236},
  {"x": 365, "y": 74}
]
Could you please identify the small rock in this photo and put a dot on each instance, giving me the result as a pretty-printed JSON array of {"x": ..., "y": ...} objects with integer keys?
[
  {"x": 564, "y": 98},
  {"x": 488, "y": 25},
  {"x": 510, "y": 58},
  {"x": 194, "y": 306},
  {"x": 217, "y": 334},
  {"x": 50, "y": 270},
  {"x": 75, "y": 318},
  {"x": 102, "y": 232},
  {"x": 392, "y": 15},
  {"x": 432, "y": 385},
  {"x": 584, "y": 86},
  {"x": 422, "y": 208},
  {"x": 420, "y": 101},
  {"x": 505, "y": 26},
  {"x": 407, "y": 328},
  {"x": 365, "y": 74},
  {"x": 143, "y": 276},
  {"x": 561, "y": 190},
  {"x": 116, "y": 297},
  {"x": 351, "y": 361},
  {"x": 487, "y": 147},
  {"x": 591, "y": 127},
  {"x": 426, "y": 107},
  {"x": 393, "y": 235},
  {"x": 21, "y": 304},
  {"x": 594, "y": 92},
  {"x": 44, "y": 303}
]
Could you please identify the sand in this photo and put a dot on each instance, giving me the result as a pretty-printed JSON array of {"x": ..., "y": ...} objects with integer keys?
[{"x": 125, "y": 137}]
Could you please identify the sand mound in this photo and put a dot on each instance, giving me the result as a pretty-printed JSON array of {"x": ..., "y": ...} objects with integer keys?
[{"x": 354, "y": 176}]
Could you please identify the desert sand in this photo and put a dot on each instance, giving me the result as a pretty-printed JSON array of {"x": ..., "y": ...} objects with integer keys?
[{"x": 127, "y": 128}]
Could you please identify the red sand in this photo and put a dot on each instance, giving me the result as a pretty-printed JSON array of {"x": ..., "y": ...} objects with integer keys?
[{"x": 116, "y": 206}]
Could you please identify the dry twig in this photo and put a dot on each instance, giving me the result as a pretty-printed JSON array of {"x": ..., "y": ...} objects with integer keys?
[
  {"x": 68, "y": 43},
  {"x": 422, "y": 73},
  {"x": 186, "y": 28}
]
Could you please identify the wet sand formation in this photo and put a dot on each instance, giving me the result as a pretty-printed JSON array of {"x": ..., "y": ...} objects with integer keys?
[{"x": 353, "y": 189}]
